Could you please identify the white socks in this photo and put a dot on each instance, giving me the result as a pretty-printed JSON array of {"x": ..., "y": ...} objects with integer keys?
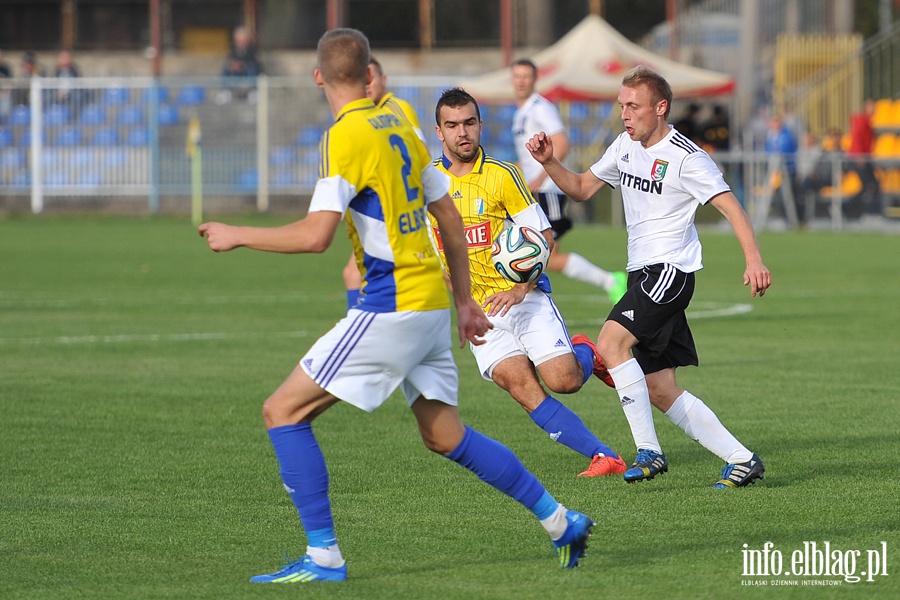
[
  {"x": 579, "y": 268},
  {"x": 702, "y": 425},
  {"x": 632, "y": 389},
  {"x": 326, "y": 557},
  {"x": 556, "y": 523}
]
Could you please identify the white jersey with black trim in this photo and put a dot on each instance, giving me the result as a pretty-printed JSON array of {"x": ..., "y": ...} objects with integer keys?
[
  {"x": 662, "y": 187},
  {"x": 536, "y": 114}
]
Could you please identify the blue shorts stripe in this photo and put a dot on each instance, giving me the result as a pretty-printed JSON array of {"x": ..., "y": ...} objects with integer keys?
[{"x": 343, "y": 348}]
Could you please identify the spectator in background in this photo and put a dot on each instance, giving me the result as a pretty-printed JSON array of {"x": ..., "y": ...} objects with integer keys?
[
  {"x": 815, "y": 171},
  {"x": 5, "y": 94},
  {"x": 689, "y": 124},
  {"x": 780, "y": 141},
  {"x": 241, "y": 63},
  {"x": 66, "y": 70},
  {"x": 29, "y": 68},
  {"x": 862, "y": 142},
  {"x": 716, "y": 135}
]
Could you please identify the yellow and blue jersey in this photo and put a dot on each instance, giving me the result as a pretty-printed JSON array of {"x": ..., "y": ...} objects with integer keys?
[
  {"x": 402, "y": 109},
  {"x": 375, "y": 170},
  {"x": 492, "y": 193}
]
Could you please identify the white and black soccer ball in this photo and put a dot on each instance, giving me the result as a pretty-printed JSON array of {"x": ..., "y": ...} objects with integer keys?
[{"x": 520, "y": 253}]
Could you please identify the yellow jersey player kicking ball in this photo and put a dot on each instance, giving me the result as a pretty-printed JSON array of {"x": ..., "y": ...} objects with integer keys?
[{"x": 529, "y": 334}]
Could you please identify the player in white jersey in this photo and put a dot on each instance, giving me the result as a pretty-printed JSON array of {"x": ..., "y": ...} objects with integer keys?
[
  {"x": 534, "y": 114},
  {"x": 664, "y": 177}
]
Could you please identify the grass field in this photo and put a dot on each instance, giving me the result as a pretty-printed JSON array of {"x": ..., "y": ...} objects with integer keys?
[{"x": 134, "y": 462}]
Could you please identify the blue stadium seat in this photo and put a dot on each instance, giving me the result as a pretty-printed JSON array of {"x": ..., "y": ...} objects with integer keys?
[
  {"x": 115, "y": 96},
  {"x": 162, "y": 95},
  {"x": 114, "y": 158},
  {"x": 168, "y": 115},
  {"x": 12, "y": 158},
  {"x": 93, "y": 114},
  {"x": 57, "y": 178},
  {"x": 130, "y": 115},
  {"x": 22, "y": 179},
  {"x": 20, "y": 115},
  {"x": 6, "y": 137},
  {"x": 191, "y": 95},
  {"x": 56, "y": 115},
  {"x": 282, "y": 157},
  {"x": 505, "y": 113},
  {"x": 68, "y": 136},
  {"x": 248, "y": 180},
  {"x": 579, "y": 111},
  {"x": 309, "y": 136},
  {"x": 82, "y": 158},
  {"x": 105, "y": 136},
  {"x": 51, "y": 158},
  {"x": 139, "y": 136}
]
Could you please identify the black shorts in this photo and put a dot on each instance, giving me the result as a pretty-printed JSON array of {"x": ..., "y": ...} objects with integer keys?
[
  {"x": 554, "y": 206},
  {"x": 653, "y": 311}
]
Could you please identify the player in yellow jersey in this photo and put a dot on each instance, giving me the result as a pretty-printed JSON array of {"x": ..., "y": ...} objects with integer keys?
[
  {"x": 377, "y": 91},
  {"x": 376, "y": 174},
  {"x": 528, "y": 332}
]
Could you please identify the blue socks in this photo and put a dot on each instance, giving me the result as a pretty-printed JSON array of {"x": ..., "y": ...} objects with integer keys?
[
  {"x": 565, "y": 427},
  {"x": 585, "y": 357},
  {"x": 496, "y": 465},
  {"x": 305, "y": 478}
]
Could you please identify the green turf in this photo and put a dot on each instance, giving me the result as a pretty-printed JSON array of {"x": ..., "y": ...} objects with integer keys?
[{"x": 134, "y": 463}]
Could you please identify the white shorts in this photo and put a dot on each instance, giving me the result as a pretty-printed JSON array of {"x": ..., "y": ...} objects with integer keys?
[
  {"x": 533, "y": 327},
  {"x": 367, "y": 355}
]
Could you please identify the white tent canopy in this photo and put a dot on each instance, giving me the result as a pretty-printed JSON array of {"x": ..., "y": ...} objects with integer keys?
[{"x": 588, "y": 63}]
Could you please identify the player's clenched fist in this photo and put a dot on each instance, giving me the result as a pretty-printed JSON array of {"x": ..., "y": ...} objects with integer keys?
[{"x": 220, "y": 237}]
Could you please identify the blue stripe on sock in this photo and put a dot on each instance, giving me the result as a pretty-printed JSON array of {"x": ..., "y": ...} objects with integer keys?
[
  {"x": 496, "y": 465},
  {"x": 545, "y": 507}
]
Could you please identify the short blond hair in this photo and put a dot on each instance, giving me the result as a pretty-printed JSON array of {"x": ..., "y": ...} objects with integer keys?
[
  {"x": 343, "y": 55},
  {"x": 657, "y": 85}
]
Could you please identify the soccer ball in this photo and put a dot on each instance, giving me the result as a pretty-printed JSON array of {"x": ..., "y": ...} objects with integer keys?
[{"x": 520, "y": 253}]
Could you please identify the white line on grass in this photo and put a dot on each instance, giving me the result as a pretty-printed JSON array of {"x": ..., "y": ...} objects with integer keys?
[{"x": 65, "y": 340}]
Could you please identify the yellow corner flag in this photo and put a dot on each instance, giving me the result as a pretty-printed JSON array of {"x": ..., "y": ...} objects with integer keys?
[{"x": 196, "y": 156}]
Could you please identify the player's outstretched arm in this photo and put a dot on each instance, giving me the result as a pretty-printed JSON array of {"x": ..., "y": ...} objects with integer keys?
[
  {"x": 313, "y": 234},
  {"x": 577, "y": 187},
  {"x": 756, "y": 275},
  {"x": 471, "y": 321}
]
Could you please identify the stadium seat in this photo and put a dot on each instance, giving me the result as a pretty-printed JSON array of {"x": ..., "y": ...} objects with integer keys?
[
  {"x": 309, "y": 136},
  {"x": 22, "y": 179},
  {"x": 885, "y": 146},
  {"x": 6, "y": 137},
  {"x": 579, "y": 111},
  {"x": 130, "y": 115},
  {"x": 191, "y": 95},
  {"x": 105, "y": 136},
  {"x": 12, "y": 158},
  {"x": 282, "y": 157},
  {"x": 20, "y": 115},
  {"x": 114, "y": 158},
  {"x": 115, "y": 96},
  {"x": 248, "y": 180},
  {"x": 82, "y": 158},
  {"x": 505, "y": 113},
  {"x": 851, "y": 185},
  {"x": 56, "y": 115},
  {"x": 93, "y": 114},
  {"x": 51, "y": 158},
  {"x": 90, "y": 178},
  {"x": 882, "y": 117},
  {"x": 162, "y": 95},
  {"x": 168, "y": 115},
  {"x": 68, "y": 136},
  {"x": 895, "y": 114},
  {"x": 139, "y": 136}
]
